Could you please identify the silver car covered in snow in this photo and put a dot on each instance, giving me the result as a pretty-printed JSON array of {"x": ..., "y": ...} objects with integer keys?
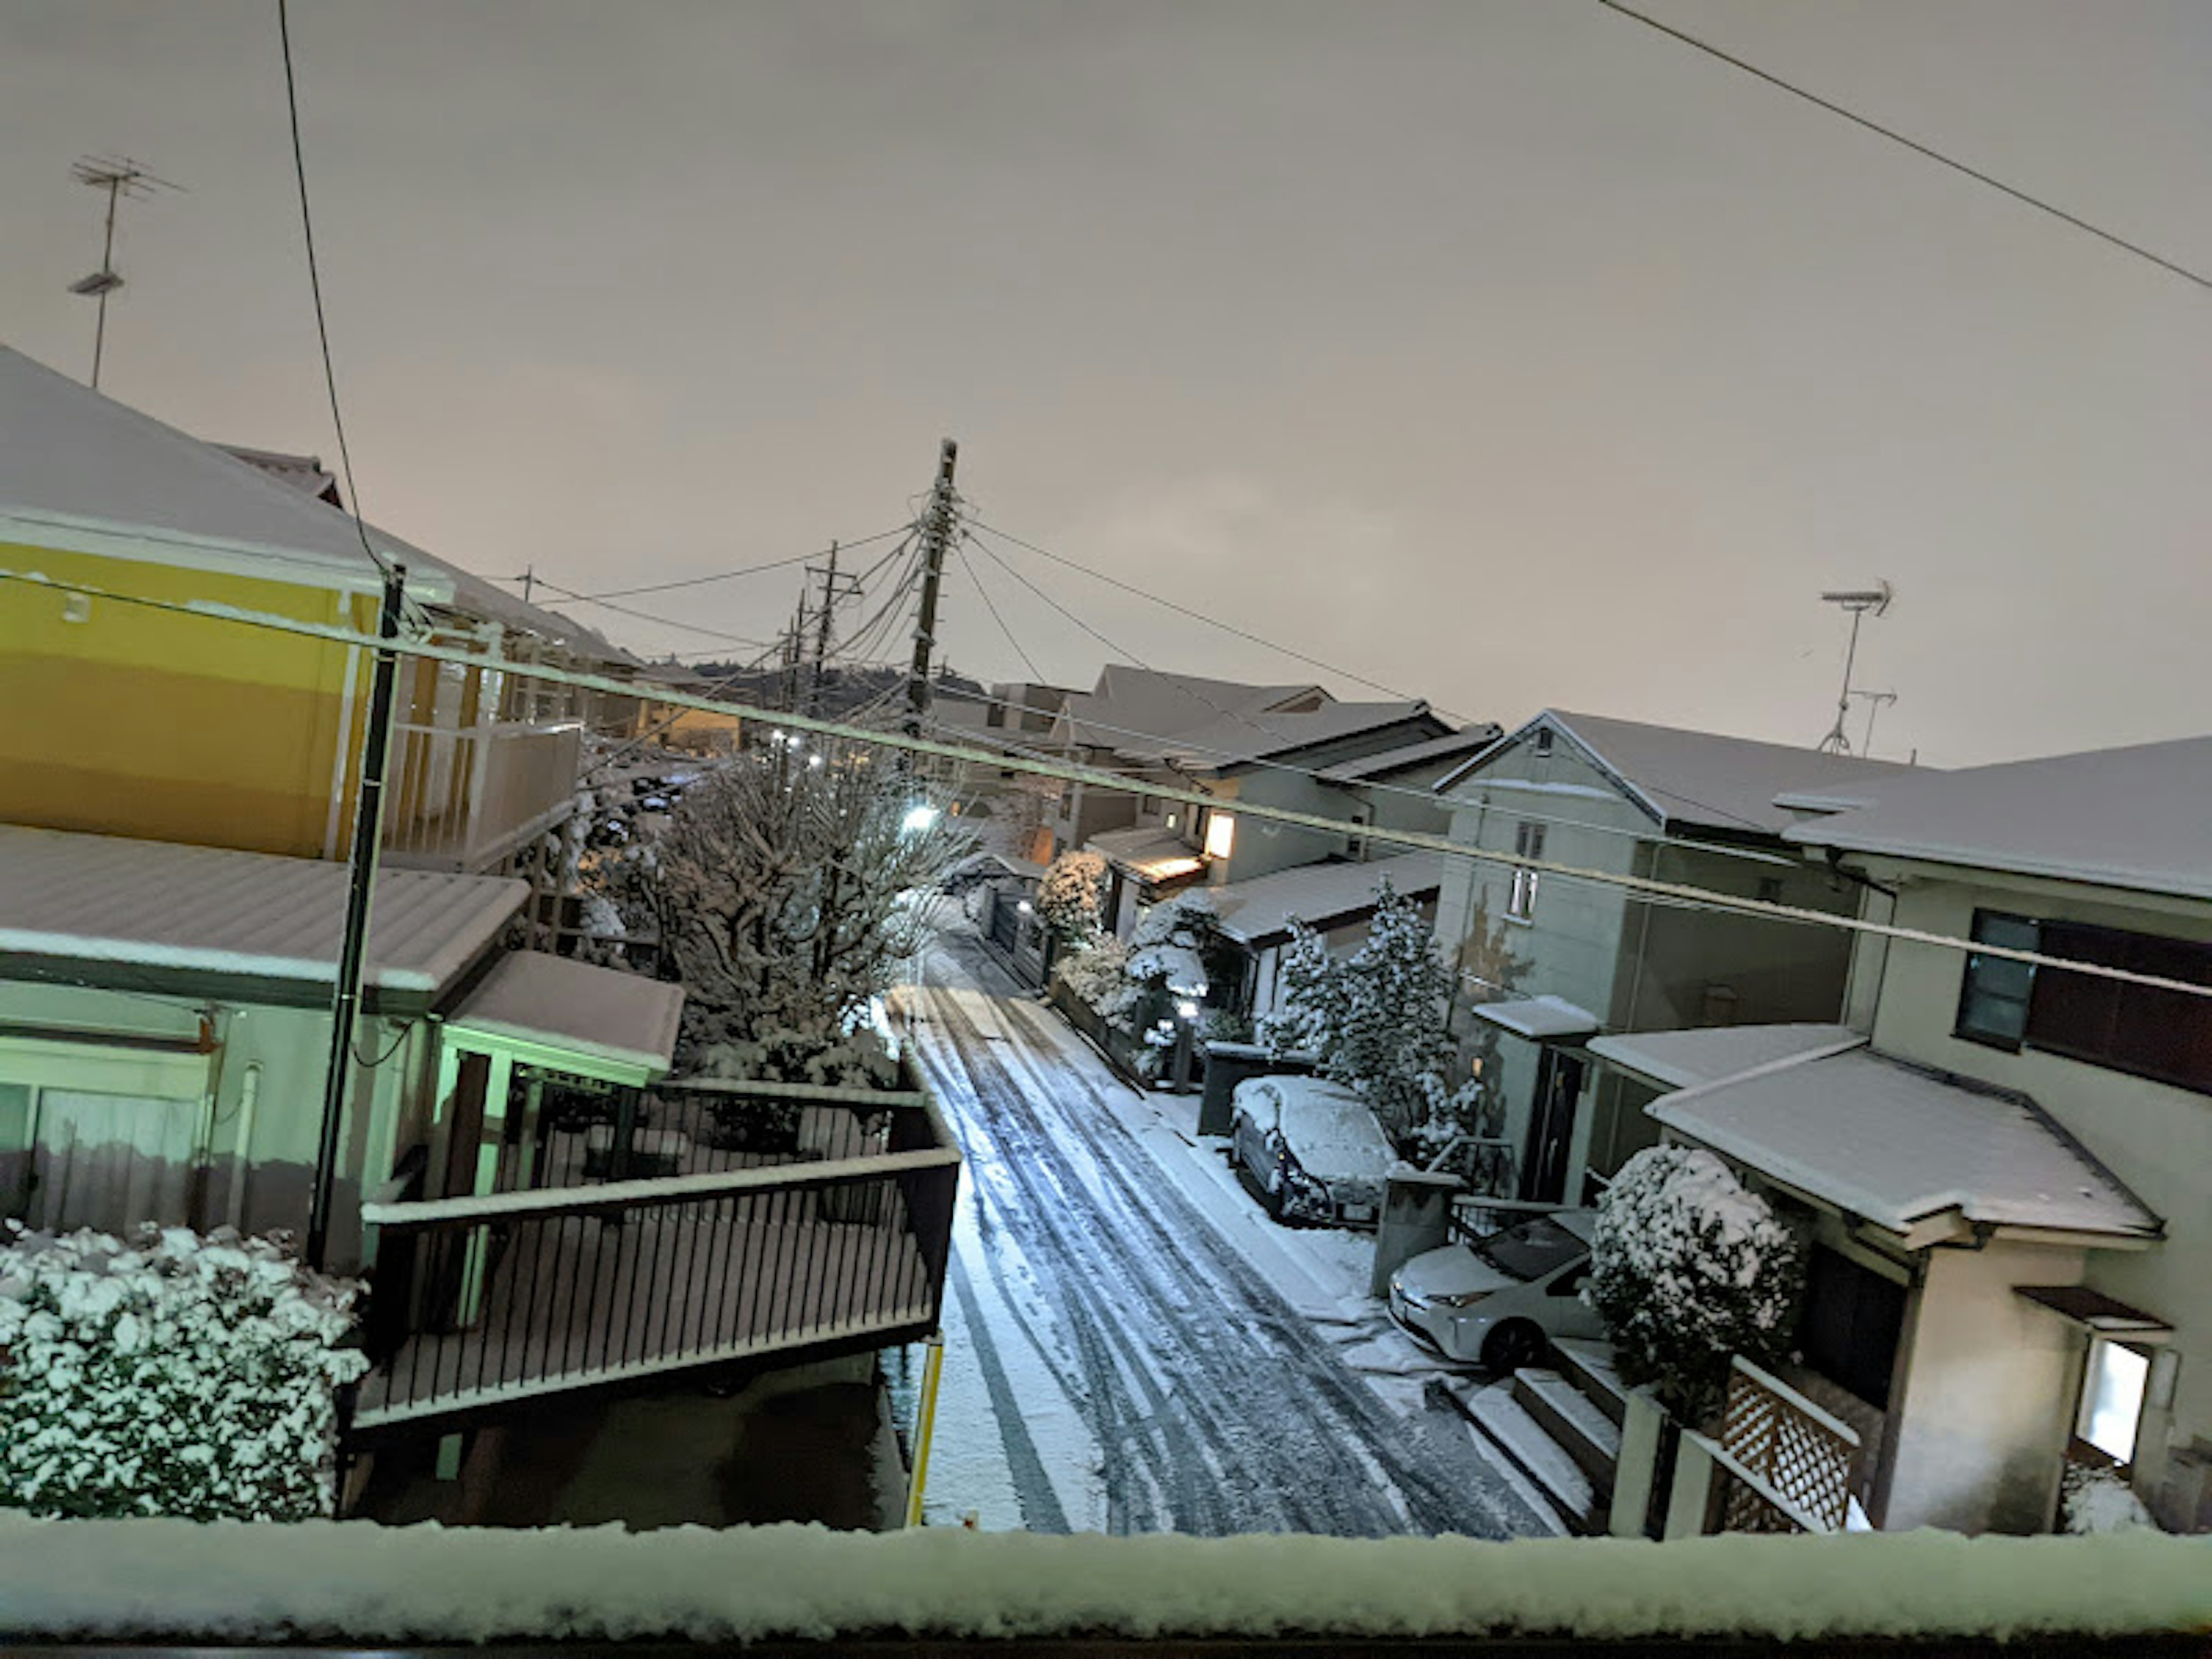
[
  {"x": 1500, "y": 1302},
  {"x": 1311, "y": 1150}
]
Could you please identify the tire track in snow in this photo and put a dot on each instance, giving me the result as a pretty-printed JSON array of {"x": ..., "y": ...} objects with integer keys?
[{"x": 1217, "y": 1407}]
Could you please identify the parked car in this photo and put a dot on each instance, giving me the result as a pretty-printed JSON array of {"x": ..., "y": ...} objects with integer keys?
[
  {"x": 1310, "y": 1150},
  {"x": 1500, "y": 1302}
]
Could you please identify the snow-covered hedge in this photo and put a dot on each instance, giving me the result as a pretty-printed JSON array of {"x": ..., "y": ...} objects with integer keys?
[
  {"x": 174, "y": 1376},
  {"x": 1687, "y": 1268},
  {"x": 2101, "y": 1500}
]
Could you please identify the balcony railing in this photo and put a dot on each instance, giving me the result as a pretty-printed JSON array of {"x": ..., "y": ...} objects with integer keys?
[
  {"x": 479, "y": 1302},
  {"x": 463, "y": 798}
]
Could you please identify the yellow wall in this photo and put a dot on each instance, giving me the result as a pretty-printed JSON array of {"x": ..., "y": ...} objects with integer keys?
[
  {"x": 136, "y": 722},
  {"x": 681, "y": 727}
]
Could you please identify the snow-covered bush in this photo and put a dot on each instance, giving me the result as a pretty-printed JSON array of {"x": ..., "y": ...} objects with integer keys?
[
  {"x": 1687, "y": 1268},
  {"x": 1098, "y": 975},
  {"x": 174, "y": 1374},
  {"x": 1377, "y": 1019},
  {"x": 1071, "y": 899},
  {"x": 1176, "y": 945},
  {"x": 2100, "y": 1500}
]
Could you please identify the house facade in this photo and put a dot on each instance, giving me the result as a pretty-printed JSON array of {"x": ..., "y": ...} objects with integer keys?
[{"x": 1544, "y": 963}]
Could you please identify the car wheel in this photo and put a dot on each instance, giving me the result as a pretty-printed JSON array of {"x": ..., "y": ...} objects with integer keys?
[{"x": 1512, "y": 1345}]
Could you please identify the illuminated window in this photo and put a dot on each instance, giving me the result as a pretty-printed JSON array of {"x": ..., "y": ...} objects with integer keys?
[
  {"x": 2112, "y": 1399},
  {"x": 1220, "y": 835},
  {"x": 1528, "y": 843}
]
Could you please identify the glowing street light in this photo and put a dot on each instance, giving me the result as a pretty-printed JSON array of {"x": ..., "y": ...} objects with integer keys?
[{"x": 919, "y": 818}]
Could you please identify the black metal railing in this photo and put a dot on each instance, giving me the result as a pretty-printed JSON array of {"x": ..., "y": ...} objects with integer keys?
[
  {"x": 496, "y": 1297},
  {"x": 581, "y": 1132}
]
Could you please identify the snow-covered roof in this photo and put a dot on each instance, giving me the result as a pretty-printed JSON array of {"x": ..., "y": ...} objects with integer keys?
[
  {"x": 80, "y": 470},
  {"x": 598, "y": 1013},
  {"x": 1238, "y": 739},
  {"x": 1319, "y": 895},
  {"x": 1130, "y": 705},
  {"x": 186, "y": 916},
  {"x": 1147, "y": 850},
  {"x": 1537, "y": 1017},
  {"x": 1698, "y": 779},
  {"x": 1896, "y": 1143},
  {"x": 2138, "y": 817},
  {"x": 1404, "y": 758},
  {"x": 1683, "y": 1060}
]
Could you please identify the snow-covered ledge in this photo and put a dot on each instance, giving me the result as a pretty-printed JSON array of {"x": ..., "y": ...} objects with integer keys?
[{"x": 353, "y": 1582}]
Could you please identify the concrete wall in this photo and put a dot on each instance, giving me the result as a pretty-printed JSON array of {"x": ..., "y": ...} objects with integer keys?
[
  {"x": 255, "y": 1163},
  {"x": 1261, "y": 849},
  {"x": 2155, "y": 1138},
  {"x": 1989, "y": 1381}
]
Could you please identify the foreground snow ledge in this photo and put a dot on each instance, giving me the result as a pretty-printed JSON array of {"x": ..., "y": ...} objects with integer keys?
[{"x": 359, "y": 1582}]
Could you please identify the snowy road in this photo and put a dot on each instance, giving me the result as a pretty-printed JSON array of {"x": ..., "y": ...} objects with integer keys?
[{"x": 1115, "y": 1362}]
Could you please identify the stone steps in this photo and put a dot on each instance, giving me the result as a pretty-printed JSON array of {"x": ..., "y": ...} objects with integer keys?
[
  {"x": 1508, "y": 1425},
  {"x": 1574, "y": 1422}
]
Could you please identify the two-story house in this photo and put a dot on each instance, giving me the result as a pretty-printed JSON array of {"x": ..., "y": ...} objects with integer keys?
[
  {"x": 1545, "y": 962},
  {"x": 2004, "y": 1167},
  {"x": 177, "y": 784}
]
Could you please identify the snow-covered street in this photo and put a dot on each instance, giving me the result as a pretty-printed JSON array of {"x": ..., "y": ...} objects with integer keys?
[{"x": 1131, "y": 1345}]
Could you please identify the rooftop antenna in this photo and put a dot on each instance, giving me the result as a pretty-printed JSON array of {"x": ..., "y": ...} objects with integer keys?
[
  {"x": 120, "y": 177},
  {"x": 1875, "y": 701},
  {"x": 1858, "y": 602}
]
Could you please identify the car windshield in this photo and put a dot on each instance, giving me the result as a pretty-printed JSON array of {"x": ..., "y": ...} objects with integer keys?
[{"x": 1531, "y": 1250}]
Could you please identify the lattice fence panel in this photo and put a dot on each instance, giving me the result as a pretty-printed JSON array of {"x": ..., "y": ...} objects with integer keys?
[{"x": 1805, "y": 1457}]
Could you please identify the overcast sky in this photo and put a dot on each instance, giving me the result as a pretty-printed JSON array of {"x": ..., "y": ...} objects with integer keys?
[{"x": 1509, "y": 355}]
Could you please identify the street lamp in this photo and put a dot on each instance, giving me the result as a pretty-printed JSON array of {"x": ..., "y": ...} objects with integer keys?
[{"x": 919, "y": 817}]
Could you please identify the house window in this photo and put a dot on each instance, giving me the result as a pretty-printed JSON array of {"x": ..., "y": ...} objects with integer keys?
[
  {"x": 1994, "y": 997},
  {"x": 2113, "y": 1398},
  {"x": 1541, "y": 742},
  {"x": 1220, "y": 835},
  {"x": 2165, "y": 1036},
  {"x": 1355, "y": 845},
  {"x": 1528, "y": 843},
  {"x": 1853, "y": 1319}
]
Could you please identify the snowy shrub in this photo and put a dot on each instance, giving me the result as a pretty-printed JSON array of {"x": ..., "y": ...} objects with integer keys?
[
  {"x": 1377, "y": 1019},
  {"x": 174, "y": 1376},
  {"x": 1688, "y": 1267},
  {"x": 1176, "y": 946},
  {"x": 2100, "y": 1500},
  {"x": 1071, "y": 899},
  {"x": 1098, "y": 976}
]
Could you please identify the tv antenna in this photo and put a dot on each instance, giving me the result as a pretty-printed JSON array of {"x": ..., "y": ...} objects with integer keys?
[
  {"x": 121, "y": 178},
  {"x": 1858, "y": 602},
  {"x": 1875, "y": 701}
]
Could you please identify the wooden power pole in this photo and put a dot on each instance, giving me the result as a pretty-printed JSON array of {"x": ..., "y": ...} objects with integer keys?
[{"x": 938, "y": 521}]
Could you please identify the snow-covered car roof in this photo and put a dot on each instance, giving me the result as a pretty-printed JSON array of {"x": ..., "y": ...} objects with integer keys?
[{"x": 1329, "y": 1128}]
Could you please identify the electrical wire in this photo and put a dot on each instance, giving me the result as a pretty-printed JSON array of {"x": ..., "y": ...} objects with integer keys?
[
  {"x": 1036, "y": 674},
  {"x": 1183, "y": 610},
  {"x": 647, "y": 616},
  {"x": 1643, "y": 886},
  {"x": 727, "y": 575},
  {"x": 1912, "y": 144},
  {"x": 416, "y": 614}
]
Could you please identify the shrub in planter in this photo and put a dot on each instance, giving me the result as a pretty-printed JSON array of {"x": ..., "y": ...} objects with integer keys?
[
  {"x": 174, "y": 1374},
  {"x": 1687, "y": 1268}
]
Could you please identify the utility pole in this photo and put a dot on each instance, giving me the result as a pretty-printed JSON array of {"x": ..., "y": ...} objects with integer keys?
[
  {"x": 1858, "y": 602},
  {"x": 833, "y": 588},
  {"x": 788, "y": 683},
  {"x": 529, "y": 579},
  {"x": 353, "y": 945},
  {"x": 938, "y": 521},
  {"x": 119, "y": 176}
]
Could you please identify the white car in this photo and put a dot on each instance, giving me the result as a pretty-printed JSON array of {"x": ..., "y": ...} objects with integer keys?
[
  {"x": 1499, "y": 1303},
  {"x": 1311, "y": 1150}
]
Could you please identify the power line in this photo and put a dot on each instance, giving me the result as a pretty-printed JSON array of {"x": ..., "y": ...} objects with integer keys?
[
  {"x": 315, "y": 285},
  {"x": 1210, "y": 622},
  {"x": 719, "y": 575},
  {"x": 647, "y": 616},
  {"x": 205, "y": 611},
  {"x": 1036, "y": 674},
  {"x": 1912, "y": 144}
]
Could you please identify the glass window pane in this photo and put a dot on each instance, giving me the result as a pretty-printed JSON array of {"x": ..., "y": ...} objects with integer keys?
[{"x": 2112, "y": 1402}]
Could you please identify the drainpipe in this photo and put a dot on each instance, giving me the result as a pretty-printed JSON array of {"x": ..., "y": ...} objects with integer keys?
[{"x": 249, "y": 1096}]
